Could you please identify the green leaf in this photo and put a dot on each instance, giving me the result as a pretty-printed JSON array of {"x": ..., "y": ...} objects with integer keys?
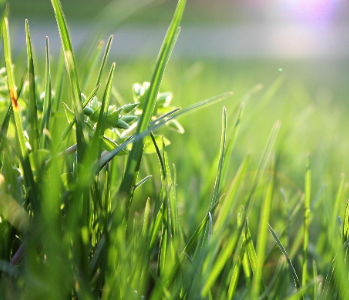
[{"x": 81, "y": 133}]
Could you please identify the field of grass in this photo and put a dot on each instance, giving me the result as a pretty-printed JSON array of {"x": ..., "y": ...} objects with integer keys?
[{"x": 102, "y": 195}]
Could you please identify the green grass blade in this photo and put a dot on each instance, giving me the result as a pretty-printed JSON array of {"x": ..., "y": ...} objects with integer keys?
[
  {"x": 48, "y": 97},
  {"x": 6, "y": 122},
  {"x": 283, "y": 250},
  {"x": 196, "y": 235},
  {"x": 164, "y": 55},
  {"x": 161, "y": 123},
  {"x": 231, "y": 143},
  {"x": 12, "y": 88},
  {"x": 97, "y": 141},
  {"x": 346, "y": 223},
  {"x": 216, "y": 188},
  {"x": 236, "y": 270},
  {"x": 105, "y": 56},
  {"x": 262, "y": 237},
  {"x": 59, "y": 81},
  {"x": 91, "y": 64},
  {"x": 339, "y": 197},
  {"x": 81, "y": 134},
  {"x": 304, "y": 289},
  {"x": 233, "y": 242},
  {"x": 306, "y": 220},
  {"x": 33, "y": 131}
]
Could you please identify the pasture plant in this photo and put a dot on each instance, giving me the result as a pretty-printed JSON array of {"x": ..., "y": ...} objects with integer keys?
[{"x": 71, "y": 161}]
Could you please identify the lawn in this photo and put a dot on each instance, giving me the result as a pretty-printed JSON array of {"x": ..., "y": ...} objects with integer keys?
[{"x": 103, "y": 196}]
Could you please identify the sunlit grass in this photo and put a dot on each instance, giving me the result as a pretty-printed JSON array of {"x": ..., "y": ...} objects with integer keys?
[{"x": 96, "y": 204}]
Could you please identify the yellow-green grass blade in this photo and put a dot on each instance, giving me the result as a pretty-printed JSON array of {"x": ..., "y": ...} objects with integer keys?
[
  {"x": 12, "y": 88},
  {"x": 81, "y": 134},
  {"x": 33, "y": 131},
  {"x": 216, "y": 188},
  {"x": 237, "y": 267},
  {"x": 171, "y": 197},
  {"x": 233, "y": 242},
  {"x": 339, "y": 198},
  {"x": 229, "y": 203},
  {"x": 27, "y": 170},
  {"x": 346, "y": 223},
  {"x": 283, "y": 250},
  {"x": 262, "y": 236},
  {"x": 307, "y": 193},
  {"x": 59, "y": 81},
  {"x": 6, "y": 122},
  {"x": 48, "y": 97},
  {"x": 134, "y": 157},
  {"x": 231, "y": 143}
]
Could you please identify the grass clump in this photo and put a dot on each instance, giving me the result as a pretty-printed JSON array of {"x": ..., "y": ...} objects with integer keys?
[{"x": 73, "y": 165}]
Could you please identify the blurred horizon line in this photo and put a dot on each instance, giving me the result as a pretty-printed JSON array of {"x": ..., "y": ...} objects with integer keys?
[{"x": 277, "y": 41}]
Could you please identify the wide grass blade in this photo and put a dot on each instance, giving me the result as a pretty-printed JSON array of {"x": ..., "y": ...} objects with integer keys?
[
  {"x": 137, "y": 149},
  {"x": 81, "y": 134},
  {"x": 262, "y": 236},
  {"x": 34, "y": 137}
]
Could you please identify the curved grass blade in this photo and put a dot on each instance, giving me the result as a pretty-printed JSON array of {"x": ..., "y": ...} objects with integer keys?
[
  {"x": 157, "y": 125},
  {"x": 283, "y": 250},
  {"x": 135, "y": 155},
  {"x": 33, "y": 131},
  {"x": 48, "y": 96},
  {"x": 81, "y": 134},
  {"x": 221, "y": 160}
]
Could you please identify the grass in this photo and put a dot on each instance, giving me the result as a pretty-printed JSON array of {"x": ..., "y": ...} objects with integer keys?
[{"x": 101, "y": 198}]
